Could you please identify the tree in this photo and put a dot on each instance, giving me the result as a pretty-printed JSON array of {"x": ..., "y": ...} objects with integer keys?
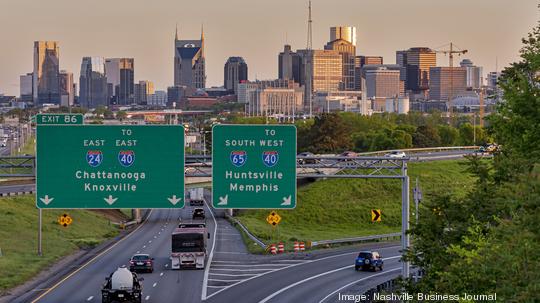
[
  {"x": 489, "y": 241},
  {"x": 449, "y": 135},
  {"x": 121, "y": 115},
  {"x": 426, "y": 136},
  {"x": 329, "y": 134},
  {"x": 466, "y": 135}
]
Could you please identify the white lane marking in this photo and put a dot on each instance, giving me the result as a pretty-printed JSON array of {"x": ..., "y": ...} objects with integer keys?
[
  {"x": 161, "y": 274},
  {"x": 207, "y": 269},
  {"x": 229, "y": 234},
  {"x": 144, "y": 246},
  {"x": 231, "y": 253},
  {"x": 293, "y": 265},
  {"x": 154, "y": 285},
  {"x": 303, "y": 281},
  {"x": 90, "y": 298},
  {"x": 149, "y": 241},
  {"x": 147, "y": 298},
  {"x": 233, "y": 275},
  {"x": 219, "y": 280},
  {"x": 167, "y": 265},
  {"x": 90, "y": 261},
  {"x": 215, "y": 286},
  {"x": 159, "y": 233},
  {"x": 360, "y": 280},
  {"x": 254, "y": 269},
  {"x": 155, "y": 237},
  {"x": 246, "y": 265},
  {"x": 270, "y": 297},
  {"x": 138, "y": 251}
]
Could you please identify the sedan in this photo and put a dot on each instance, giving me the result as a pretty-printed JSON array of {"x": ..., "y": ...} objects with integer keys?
[
  {"x": 141, "y": 262},
  {"x": 396, "y": 154}
]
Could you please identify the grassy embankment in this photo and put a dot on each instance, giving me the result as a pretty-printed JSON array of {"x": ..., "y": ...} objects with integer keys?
[
  {"x": 18, "y": 237},
  {"x": 340, "y": 208}
]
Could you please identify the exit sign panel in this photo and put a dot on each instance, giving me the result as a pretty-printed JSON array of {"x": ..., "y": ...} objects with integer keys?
[{"x": 94, "y": 166}]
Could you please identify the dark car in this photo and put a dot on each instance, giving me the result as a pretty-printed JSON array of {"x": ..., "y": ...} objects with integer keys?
[
  {"x": 347, "y": 154},
  {"x": 198, "y": 214},
  {"x": 368, "y": 260},
  {"x": 141, "y": 262},
  {"x": 306, "y": 161}
]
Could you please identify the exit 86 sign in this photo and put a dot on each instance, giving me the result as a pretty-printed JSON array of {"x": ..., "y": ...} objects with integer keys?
[{"x": 254, "y": 166}]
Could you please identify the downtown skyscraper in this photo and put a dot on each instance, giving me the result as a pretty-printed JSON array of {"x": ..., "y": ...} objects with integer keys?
[
  {"x": 93, "y": 83},
  {"x": 189, "y": 62},
  {"x": 46, "y": 75},
  {"x": 120, "y": 80}
]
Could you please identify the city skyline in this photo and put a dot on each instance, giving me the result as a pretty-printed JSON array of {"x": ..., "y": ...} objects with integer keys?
[{"x": 488, "y": 29}]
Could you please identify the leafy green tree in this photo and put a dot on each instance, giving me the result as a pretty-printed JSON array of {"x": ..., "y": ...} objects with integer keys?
[
  {"x": 449, "y": 135},
  {"x": 489, "y": 241},
  {"x": 121, "y": 115},
  {"x": 329, "y": 134},
  {"x": 426, "y": 136},
  {"x": 466, "y": 135}
]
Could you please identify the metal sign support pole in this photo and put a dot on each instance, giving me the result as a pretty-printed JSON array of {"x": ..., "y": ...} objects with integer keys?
[
  {"x": 40, "y": 219},
  {"x": 405, "y": 238}
]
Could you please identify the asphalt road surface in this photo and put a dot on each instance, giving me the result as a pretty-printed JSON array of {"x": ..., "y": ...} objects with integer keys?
[{"x": 232, "y": 276}]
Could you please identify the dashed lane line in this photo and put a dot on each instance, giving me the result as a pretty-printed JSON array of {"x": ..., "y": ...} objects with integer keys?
[{"x": 90, "y": 298}]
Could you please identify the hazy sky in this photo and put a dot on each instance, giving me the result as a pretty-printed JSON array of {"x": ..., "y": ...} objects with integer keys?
[{"x": 253, "y": 29}]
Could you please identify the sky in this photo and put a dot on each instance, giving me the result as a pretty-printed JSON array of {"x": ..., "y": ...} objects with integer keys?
[{"x": 491, "y": 30}]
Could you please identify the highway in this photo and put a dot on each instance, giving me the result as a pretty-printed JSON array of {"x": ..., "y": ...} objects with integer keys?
[{"x": 233, "y": 274}]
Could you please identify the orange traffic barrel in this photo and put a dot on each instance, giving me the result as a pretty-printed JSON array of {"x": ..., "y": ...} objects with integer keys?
[
  {"x": 296, "y": 246},
  {"x": 281, "y": 248},
  {"x": 273, "y": 249}
]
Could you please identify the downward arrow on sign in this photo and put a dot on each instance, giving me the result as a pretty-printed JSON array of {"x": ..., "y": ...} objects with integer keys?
[
  {"x": 110, "y": 200},
  {"x": 46, "y": 199},
  {"x": 174, "y": 200}
]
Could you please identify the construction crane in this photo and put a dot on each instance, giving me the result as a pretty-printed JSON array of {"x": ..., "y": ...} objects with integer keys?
[{"x": 451, "y": 53}]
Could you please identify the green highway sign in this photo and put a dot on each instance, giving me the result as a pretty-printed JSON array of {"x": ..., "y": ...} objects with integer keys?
[
  {"x": 117, "y": 166},
  {"x": 254, "y": 166},
  {"x": 59, "y": 119}
]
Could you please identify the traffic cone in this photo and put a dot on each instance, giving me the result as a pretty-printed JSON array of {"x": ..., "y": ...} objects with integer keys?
[
  {"x": 281, "y": 248},
  {"x": 296, "y": 246},
  {"x": 302, "y": 246},
  {"x": 273, "y": 250}
]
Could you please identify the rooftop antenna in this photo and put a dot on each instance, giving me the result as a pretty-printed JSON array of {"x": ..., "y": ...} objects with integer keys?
[{"x": 309, "y": 33}]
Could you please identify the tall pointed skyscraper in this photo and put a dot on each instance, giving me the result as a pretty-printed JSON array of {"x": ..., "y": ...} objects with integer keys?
[{"x": 189, "y": 65}]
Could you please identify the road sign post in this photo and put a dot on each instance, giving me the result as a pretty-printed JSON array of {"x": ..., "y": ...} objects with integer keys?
[
  {"x": 254, "y": 166},
  {"x": 117, "y": 166}
]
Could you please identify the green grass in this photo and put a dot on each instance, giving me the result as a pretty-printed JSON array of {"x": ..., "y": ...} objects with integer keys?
[
  {"x": 18, "y": 237},
  {"x": 340, "y": 208},
  {"x": 29, "y": 147},
  {"x": 127, "y": 212}
]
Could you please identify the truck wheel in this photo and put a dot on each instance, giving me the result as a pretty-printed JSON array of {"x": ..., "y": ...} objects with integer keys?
[
  {"x": 356, "y": 267},
  {"x": 380, "y": 267}
]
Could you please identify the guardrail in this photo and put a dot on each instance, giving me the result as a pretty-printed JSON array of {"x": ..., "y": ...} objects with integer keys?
[
  {"x": 423, "y": 149},
  {"x": 250, "y": 235},
  {"x": 356, "y": 239}
]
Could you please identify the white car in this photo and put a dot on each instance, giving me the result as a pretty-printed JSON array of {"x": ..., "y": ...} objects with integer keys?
[{"x": 396, "y": 154}]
